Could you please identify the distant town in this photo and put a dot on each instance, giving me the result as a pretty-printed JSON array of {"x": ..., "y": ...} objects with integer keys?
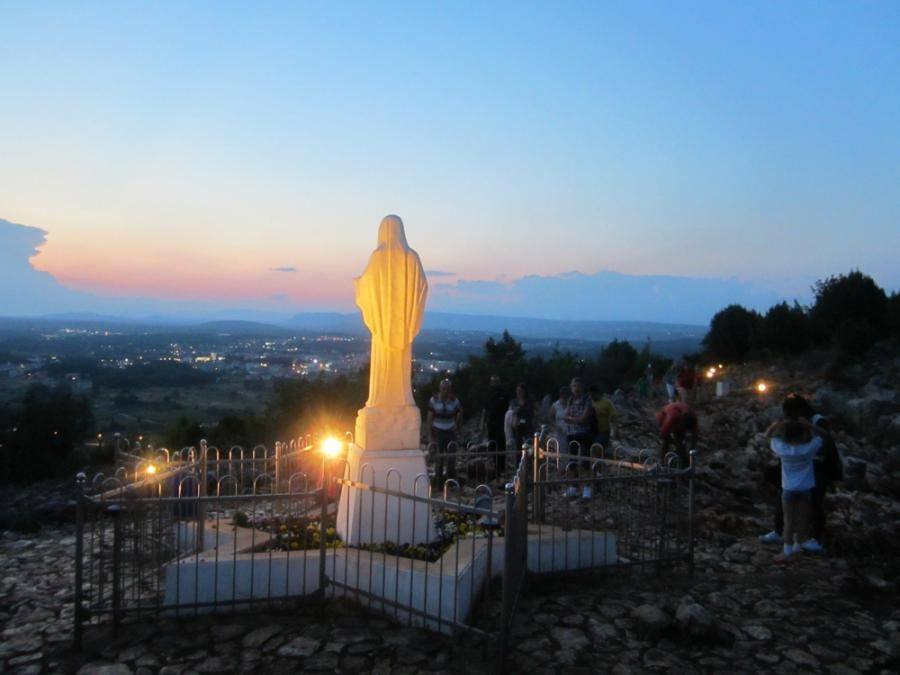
[{"x": 142, "y": 378}]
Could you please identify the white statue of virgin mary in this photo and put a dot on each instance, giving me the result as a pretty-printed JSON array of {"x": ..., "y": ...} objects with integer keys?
[
  {"x": 386, "y": 453},
  {"x": 391, "y": 294}
]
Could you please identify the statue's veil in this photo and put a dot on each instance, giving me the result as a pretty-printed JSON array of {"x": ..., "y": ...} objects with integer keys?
[{"x": 391, "y": 291}]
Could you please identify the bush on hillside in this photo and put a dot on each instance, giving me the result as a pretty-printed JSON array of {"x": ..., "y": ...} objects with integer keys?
[
  {"x": 40, "y": 431},
  {"x": 845, "y": 300},
  {"x": 784, "y": 329},
  {"x": 732, "y": 333},
  {"x": 893, "y": 315}
]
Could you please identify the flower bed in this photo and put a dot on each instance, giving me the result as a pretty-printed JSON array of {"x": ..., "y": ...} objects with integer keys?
[{"x": 292, "y": 533}]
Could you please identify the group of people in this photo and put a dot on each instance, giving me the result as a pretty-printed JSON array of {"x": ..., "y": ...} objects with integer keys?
[
  {"x": 809, "y": 465},
  {"x": 809, "y": 462},
  {"x": 586, "y": 417},
  {"x": 583, "y": 417},
  {"x": 681, "y": 382}
]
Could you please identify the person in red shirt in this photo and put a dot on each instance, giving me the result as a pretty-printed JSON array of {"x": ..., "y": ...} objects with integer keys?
[
  {"x": 685, "y": 382},
  {"x": 676, "y": 421}
]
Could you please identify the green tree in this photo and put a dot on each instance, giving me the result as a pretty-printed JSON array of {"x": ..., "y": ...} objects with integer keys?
[
  {"x": 732, "y": 333},
  {"x": 41, "y": 430},
  {"x": 851, "y": 308},
  {"x": 785, "y": 329},
  {"x": 505, "y": 351},
  {"x": 893, "y": 312},
  {"x": 617, "y": 363},
  {"x": 185, "y": 432}
]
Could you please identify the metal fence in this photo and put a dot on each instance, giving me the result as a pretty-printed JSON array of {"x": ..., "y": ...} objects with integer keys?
[
  {"x": 473, "y": 463},
  {"x": 515, "y": 562},
  {"x": 203, "y": 530},
  {"x": 599, "y": 511},
  {"x": 434, "y": 553}
]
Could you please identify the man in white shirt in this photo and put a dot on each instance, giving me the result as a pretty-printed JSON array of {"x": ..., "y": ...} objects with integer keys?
[
  {"x": 557, "y": 416},
  {"x": 444, "y": 417}
]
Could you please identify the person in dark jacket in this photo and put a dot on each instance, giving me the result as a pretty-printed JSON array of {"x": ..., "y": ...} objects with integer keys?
[
  {"x": 495, "y": 406},
  {"x": 523, "y": 409},
  {"x": 828, "y": 469}
]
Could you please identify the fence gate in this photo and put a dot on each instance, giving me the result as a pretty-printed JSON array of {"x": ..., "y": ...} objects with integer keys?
[{"x": 515, "y": 560}]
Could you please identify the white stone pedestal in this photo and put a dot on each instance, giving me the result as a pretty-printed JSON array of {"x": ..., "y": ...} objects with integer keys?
[
  {"x": 388, "y": 428},
  {"x": 366, "y": 517}
]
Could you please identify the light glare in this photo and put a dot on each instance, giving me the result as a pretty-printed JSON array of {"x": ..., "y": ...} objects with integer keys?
[{"x": 331, "y": 447}]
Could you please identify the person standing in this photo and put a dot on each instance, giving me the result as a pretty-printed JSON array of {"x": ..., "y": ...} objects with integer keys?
[
  {"x": 795, "y": 441},
  {"x": 676, "y": 421},
  {"x": 827, "y": 468},
  {"x": 604, "y": 414},
  {"x": 557, "y": 416},
  {"x": 523, "y": 410},
  {"x": 579, "y": 414},
  {"x": 495, "y": 407},
  {"x": 685, "y": 382},
  {"x": 580, "y": 418},
  {"x": 651, "y": 378},
  {"x": 444, "y": 416},
  {"x": 669, "y": 378}
]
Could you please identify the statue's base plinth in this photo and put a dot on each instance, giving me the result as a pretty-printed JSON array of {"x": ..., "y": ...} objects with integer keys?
[
  {"x": 388, "y": 428},
  {"x": 366, "y": 517}
]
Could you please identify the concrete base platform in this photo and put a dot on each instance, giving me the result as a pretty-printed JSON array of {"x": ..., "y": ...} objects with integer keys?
[
  {"x": 434, "y": 595},
  {"x": 366, "y": 517}
]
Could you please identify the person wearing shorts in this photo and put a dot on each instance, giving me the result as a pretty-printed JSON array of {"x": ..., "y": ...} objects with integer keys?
[{"x": 796, "y": 442}]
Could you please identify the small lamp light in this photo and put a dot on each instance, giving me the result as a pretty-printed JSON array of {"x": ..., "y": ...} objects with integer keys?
[{"x": 331, "y": 447}]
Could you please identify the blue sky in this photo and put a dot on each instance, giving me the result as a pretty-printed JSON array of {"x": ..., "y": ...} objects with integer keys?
[{"x": 191, "y": 150}]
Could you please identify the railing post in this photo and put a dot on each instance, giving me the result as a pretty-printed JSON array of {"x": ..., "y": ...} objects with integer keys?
[
  {"x": 78, "y": 632},
  {"x": 201, "y": 493},
  {"x": 115, "y": 513},
  {"x": 691, "y": 512},
  {"x": 537, "y": 496},
  {"x": 323, "y": 580},
  {"x": 278, "y": 452},
  {"x": 509, "y": 556}
]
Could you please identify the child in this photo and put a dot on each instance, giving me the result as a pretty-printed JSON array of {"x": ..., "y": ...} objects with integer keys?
[{"x": 795, "y": 441}]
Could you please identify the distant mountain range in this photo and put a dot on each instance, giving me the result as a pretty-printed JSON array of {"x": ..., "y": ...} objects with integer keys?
[
  {"x": 517, "y": 326},
  {"x": 351, "y": 324}
]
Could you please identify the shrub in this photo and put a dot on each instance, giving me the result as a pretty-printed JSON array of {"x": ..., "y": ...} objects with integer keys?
[
  {"x": 850, "y": 298},
  {"x": 618, "y": 361},
  {"x": 784, "y": 329},
  {"x": 893, "y": 315},
  {"x": 732, "y": 333},
  {"x": 856, "y": 335},
  {"x": 40, "y": 432}
]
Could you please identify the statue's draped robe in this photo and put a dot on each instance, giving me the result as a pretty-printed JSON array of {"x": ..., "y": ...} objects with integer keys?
[{"x": 391, "y": 294}]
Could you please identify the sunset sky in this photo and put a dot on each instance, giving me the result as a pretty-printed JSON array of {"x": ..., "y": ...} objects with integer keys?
[{"x": 247, "y": 151}]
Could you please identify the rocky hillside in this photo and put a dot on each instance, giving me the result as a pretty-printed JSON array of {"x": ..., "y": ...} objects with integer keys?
[
  {"x": 835, "y": 613},
  {"x": 863, "y": 401}
]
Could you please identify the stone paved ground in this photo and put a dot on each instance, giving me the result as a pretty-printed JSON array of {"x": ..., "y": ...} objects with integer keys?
[
  {"x": 738, "y": 614},
  {"x": 746, "y": 616}
]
